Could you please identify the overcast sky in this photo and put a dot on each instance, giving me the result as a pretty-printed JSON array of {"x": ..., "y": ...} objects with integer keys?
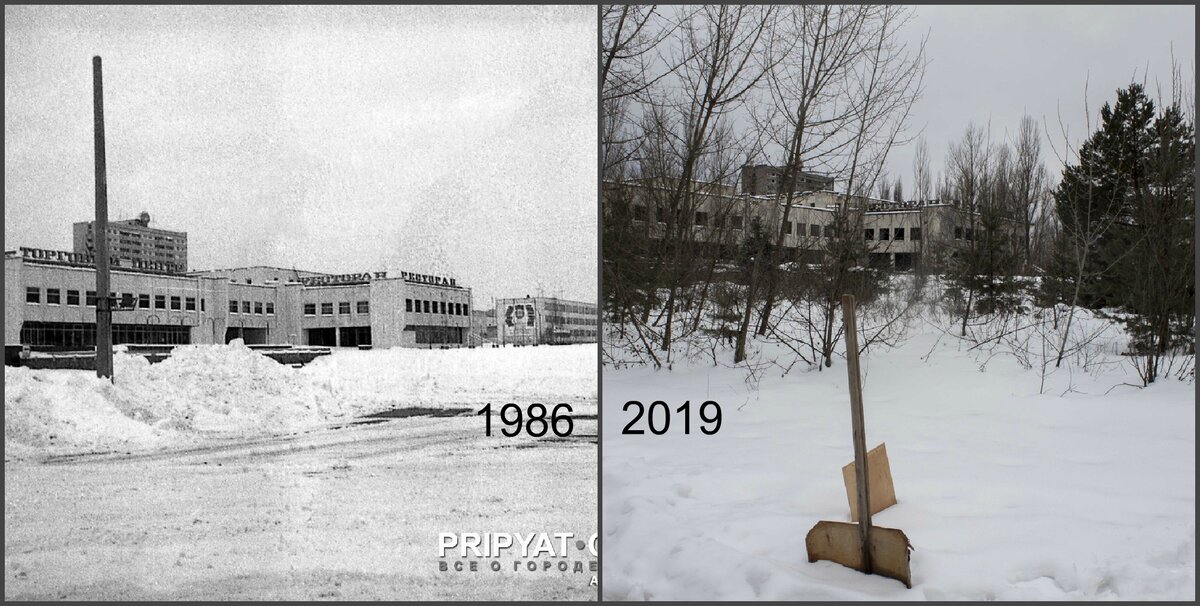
[
  {"x": 457, "y": 142},
  {"x": 999, "y": 62}
]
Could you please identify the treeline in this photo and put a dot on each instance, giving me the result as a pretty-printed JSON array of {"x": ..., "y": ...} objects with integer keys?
[{"x": 691, "y": 94}]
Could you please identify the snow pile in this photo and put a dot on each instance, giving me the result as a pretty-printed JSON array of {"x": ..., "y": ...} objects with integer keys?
[
  {"x": 213, "y": 390},
  {"x": 65, "y": 410},
  {"x": 391, "y": 378},
  {"x": 1081, "y": 489},
  {"x": 218, "y": 388},
  {"x": 199, "y": 390}
]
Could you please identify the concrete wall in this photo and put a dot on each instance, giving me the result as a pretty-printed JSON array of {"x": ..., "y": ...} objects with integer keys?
[
  {"x": 14, "y": 300},
  {"x": 336, "y": 296},
  {"x": 211, "y": 319},
  {"x": 390, "y": 296},
  {"x": 82, "y": 279}
]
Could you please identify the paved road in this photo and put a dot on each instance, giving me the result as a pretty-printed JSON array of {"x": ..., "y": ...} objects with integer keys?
[{"x": 347, "y": 512}]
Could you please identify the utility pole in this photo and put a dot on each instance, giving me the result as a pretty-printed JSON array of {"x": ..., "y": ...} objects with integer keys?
[{"x": 104, "y": 355}]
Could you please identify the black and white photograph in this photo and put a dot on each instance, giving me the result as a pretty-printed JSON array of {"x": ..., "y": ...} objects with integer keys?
[
  {"x": 899, "y": 302},
  {"x": 301, "y": 303}
]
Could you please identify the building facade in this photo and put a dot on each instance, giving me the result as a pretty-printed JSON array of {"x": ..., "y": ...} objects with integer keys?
[
  {"x": 545, "y": 321},
  {"x": 50, "y": 301},
  {"x": 136, "y": 243},
  {"x": 766, "y": 180},
  {"x": 901, "y": 235}
]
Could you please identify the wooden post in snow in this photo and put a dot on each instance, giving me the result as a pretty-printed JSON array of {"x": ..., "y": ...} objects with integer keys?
[{"x": 860, "y": 437}]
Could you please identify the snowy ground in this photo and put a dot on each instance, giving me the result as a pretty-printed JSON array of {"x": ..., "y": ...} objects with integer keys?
[
  {"x": 1004, "y": 493},
  {"x": 216, "y": 476}
]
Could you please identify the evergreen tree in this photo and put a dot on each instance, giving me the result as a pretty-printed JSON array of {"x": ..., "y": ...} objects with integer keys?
[
  {"x": 1157, "y": 269},
  {"x": 1098, "y": 192},
  {"x": 1127, "y": 209}
]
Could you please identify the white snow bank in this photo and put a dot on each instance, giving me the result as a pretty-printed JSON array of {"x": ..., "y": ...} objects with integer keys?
[
  {"x": 213, "y": 390},
  {"x": 1006, "y": 493},
  {"x": 68, "y": 409},
  {"x": 370, "y": 380}
]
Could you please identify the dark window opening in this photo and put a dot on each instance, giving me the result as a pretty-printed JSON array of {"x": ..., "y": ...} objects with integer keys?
[{"x": 83, "y": 335}]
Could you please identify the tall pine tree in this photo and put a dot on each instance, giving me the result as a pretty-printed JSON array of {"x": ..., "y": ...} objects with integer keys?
[{"x": 1127, "y": 211}]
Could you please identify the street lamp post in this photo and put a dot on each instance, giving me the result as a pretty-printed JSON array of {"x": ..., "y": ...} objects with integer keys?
[{"x": 104, "y": 361}]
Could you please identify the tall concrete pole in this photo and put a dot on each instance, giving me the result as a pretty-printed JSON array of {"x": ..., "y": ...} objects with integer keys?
[{"x": 104, "y": 361}]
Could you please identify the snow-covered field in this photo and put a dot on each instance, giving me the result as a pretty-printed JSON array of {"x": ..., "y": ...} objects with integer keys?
[
  {"x": 1077, "y": 492},
  {"x": 221, "y": 474}
]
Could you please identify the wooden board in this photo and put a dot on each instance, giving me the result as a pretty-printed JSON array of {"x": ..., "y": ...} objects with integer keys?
[
  {"x": 882, "y": 493},
  {"x": 838, "y": 542}
]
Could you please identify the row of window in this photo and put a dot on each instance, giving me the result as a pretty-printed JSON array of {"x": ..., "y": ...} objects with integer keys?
[
  {"x": 130, "y": 234},
  {"x": 639, "y": 214},
  {"x": 252, "y": 307},
  {"x": 54, "y": 296},
  {"x": 361, "y": 307},
  {"x": 896, "y": 234},
  {"x": 65, "y": 334},
  {"x": 555, "y": 320},
  {"x": 964, "y": 233},
  {"x": 420, "y": 306},
  {"x": 571, "y": 308},
  {"x": 814, "y": 230}
]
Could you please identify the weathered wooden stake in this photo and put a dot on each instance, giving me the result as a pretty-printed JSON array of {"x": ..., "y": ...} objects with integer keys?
[
  {"x": 873, "y": 550},
  {"x": 860, "y": 437}
]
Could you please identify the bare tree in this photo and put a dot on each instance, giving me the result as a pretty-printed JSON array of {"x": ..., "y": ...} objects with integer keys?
[
  {"x": 967, "y": 167},
  {"x": 886, "y": 84},
  {"x": 811, "y": 69},
  {"x": 817, "y": 88},
  {"x": 684, "y": 137},
  {"x": 1085, "y": 218},
  {"x": 922, "y": 176},
  {"x": 1028, "y": 177}
]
